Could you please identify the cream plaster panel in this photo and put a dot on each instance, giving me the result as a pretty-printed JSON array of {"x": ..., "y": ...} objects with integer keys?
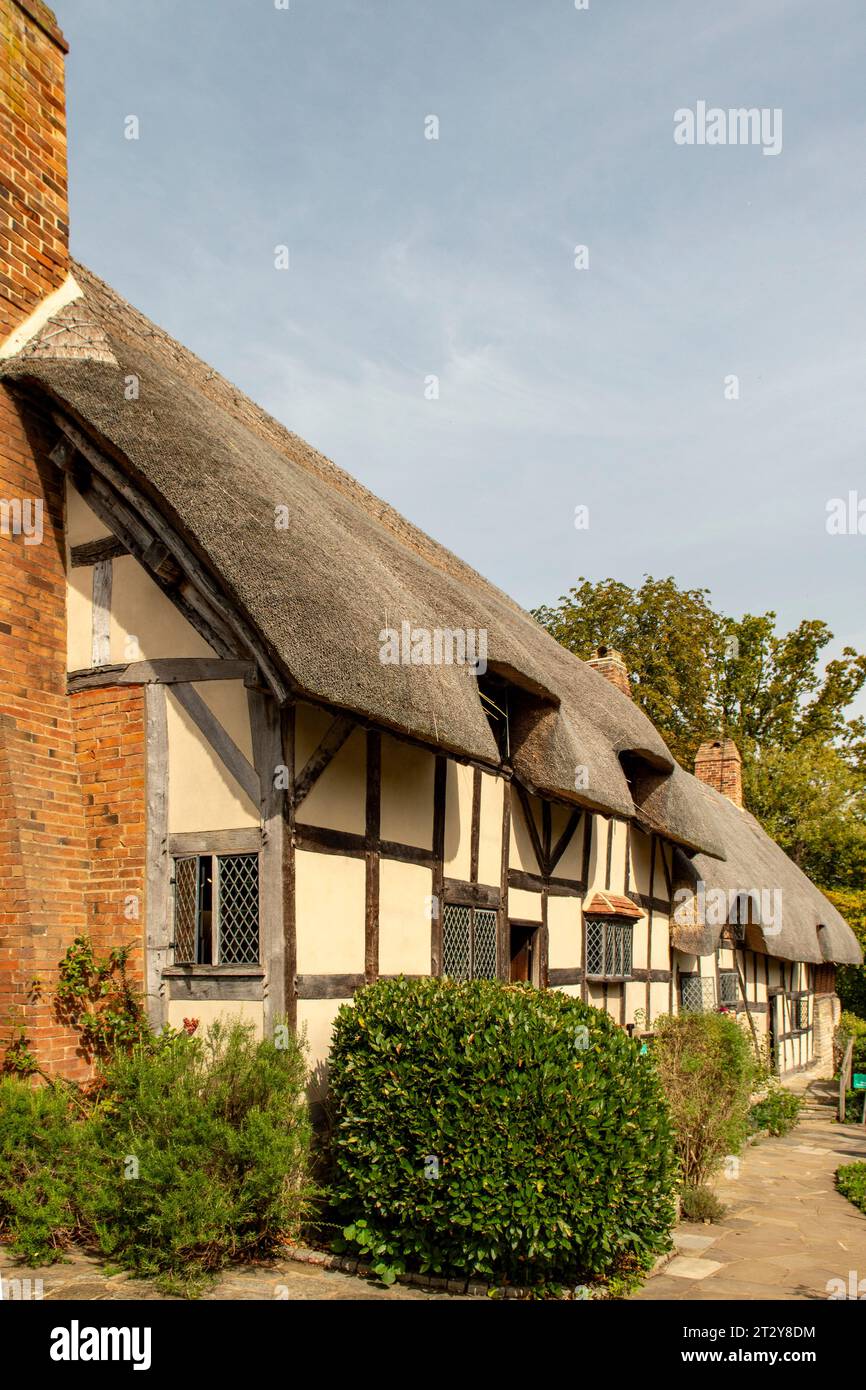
[
  {"x": 338, "y": 801},
  {"x": 598, "y": 853},
  {"x": 661, "y": 943},
  {"x": 228, "y": 701},
  {"x": 79, "y": 618},
  {"x": 640, "y": 861},
  {"x": 490, "y": 830},
  {"x": 202, "y": 794},
  {"x": 82, "y": 523},
  {"x": 572, "y": 990},
  {"x": 458, "y": 821},
  {"x": 564, "y": 932},
  {"x": 659, "y": 999},
  {"x": 521, "y": 855},
  {"x": 571, "y": 863},
  {"x": 619, "y": 832},
  {"x": 595, "y": 995},
  {"x": 315, "y": 1023},
  {"x": 144, "y": 622},
  {"x": 635, "y": 1001},
  {"x": 524, "y": 906},
  {"x": 311, "y": 724},
  {"x": 329, "y": 913},
  {"x": 404, "y": 918},
  {"x": 208, "y": 1011},
  {"x": 640, "y": 943},
  {"x": 407, "y": 794}
]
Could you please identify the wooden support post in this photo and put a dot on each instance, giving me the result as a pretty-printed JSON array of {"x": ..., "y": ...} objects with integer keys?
[
  {"x": 158, "y": 923},
  {"x": 371, "y": 856},
  {"x": 273, "y": 792}
]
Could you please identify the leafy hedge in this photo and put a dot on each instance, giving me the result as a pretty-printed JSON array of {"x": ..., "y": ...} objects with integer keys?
[
  {"x": 192, "y": 1152},
  {"x": 777, "y": 1112},
  {"x": 496, "y": 1130},
  {"x": 851, "y": 1182}
]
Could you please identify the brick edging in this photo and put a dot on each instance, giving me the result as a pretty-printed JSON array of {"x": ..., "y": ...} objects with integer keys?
[
  {"x": 471, "y": 1288},
  {"x": 47, "y": 22}
]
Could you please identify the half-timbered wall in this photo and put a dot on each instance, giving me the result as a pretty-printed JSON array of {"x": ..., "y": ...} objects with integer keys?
[{"x": 368, "y": 841}]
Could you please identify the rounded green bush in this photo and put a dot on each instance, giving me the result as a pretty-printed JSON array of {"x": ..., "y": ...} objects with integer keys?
[{"x": 498, "y": 1130}]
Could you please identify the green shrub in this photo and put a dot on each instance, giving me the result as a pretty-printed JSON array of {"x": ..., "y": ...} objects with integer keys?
[
  {"x": 850, "y": 1026},
  {"x": 497, "y": 1130},
  {"x": 701, "y": 1204},
  {"x": 39, "y": 1133},
  {"x": 194, "y": 1152},
  {"x": 777, "y": 1112},
  {"x": 851, "y": 1182},
  {"x": 709, "y": 1071}
]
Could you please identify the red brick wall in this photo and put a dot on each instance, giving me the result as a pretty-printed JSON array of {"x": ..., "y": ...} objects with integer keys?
[
  {"x": 71, "y": 768},
  {"x": 34, "y": 233},
  {"x": 109, "y": 740},
  {"x": 43, "y": 836}
]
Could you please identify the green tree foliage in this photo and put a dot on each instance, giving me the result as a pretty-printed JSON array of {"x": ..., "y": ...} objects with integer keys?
[{"x": 699, "y": 674}]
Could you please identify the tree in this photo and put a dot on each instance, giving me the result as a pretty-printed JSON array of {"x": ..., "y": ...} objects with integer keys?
[{"x": 699, "y": 674}]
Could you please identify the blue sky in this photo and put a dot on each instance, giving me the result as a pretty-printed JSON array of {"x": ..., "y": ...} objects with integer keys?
[{"x": 454, "y": 257}]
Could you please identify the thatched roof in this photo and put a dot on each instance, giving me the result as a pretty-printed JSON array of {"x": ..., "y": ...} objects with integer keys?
[
  {"x": 799, "y": 923},
  {"x": 318, "y": 594}
]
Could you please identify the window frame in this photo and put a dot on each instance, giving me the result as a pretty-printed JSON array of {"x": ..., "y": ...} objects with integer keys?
[
  {"x": 703, "y": 980},
  {"x": 623, "y": 927},
  {"x": 728, "y": 974},
  {"x": 215, "y": 856},
  {"x": 472, "y": 909}
]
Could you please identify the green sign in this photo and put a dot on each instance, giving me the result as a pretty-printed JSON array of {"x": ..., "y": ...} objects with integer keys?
[{"x": 860, "y": 1081}]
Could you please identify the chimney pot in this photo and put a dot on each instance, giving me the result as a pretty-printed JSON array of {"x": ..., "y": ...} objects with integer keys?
[
  {"x": 609, "y": 663},
  {"x": 719, "y": 764}
]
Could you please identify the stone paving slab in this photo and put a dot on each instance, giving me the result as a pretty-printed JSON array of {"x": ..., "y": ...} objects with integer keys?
[{"x": 787, "y": 1231}]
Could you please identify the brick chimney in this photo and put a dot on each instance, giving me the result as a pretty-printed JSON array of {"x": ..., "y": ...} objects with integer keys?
[
  {"x": 718, "y": 763},
  {"x": 609, "y": 663},
  {"x": 34, "y": 215}
]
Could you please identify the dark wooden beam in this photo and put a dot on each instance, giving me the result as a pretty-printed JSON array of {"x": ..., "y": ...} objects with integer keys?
[
  {"x": 475, "y": 826},
  {"x": 225, "y": 748},
  {"x": 331, "y": 743},
  {"x": 162, "y": 671},
  {"x": 440, "y": 777},
  {"x": 247, "y": 839},
  {"x": 200, "y": 592},
  {"x": 532, "y": 828},
  {"x": 328, "y": 986},
  {"x": 90, "y": 552},
  {"x": 564, "y": 840},
  {"x": 456, "y": 890},
  {"x": 371, "y": 892}
]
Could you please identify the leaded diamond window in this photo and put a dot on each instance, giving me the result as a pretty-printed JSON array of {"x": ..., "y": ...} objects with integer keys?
[
  {"x": 800, "y": 1014},
  {"x": 608, "y": 949},
  {"x": 727, "y": 987},
  {"x": 697, "y": 995},
  {"x": 468, "y": 942},
  {"x": 216, "y": 909}
]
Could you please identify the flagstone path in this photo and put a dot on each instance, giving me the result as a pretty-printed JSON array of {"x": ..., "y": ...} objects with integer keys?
[{"x": 787, "y": 1233}]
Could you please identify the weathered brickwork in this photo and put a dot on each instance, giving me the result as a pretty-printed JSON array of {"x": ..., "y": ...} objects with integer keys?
[
  {"x": 109, "y": 740},
  {"x": 34, "y": 232},
  {"x": 71, "y": 768}
]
